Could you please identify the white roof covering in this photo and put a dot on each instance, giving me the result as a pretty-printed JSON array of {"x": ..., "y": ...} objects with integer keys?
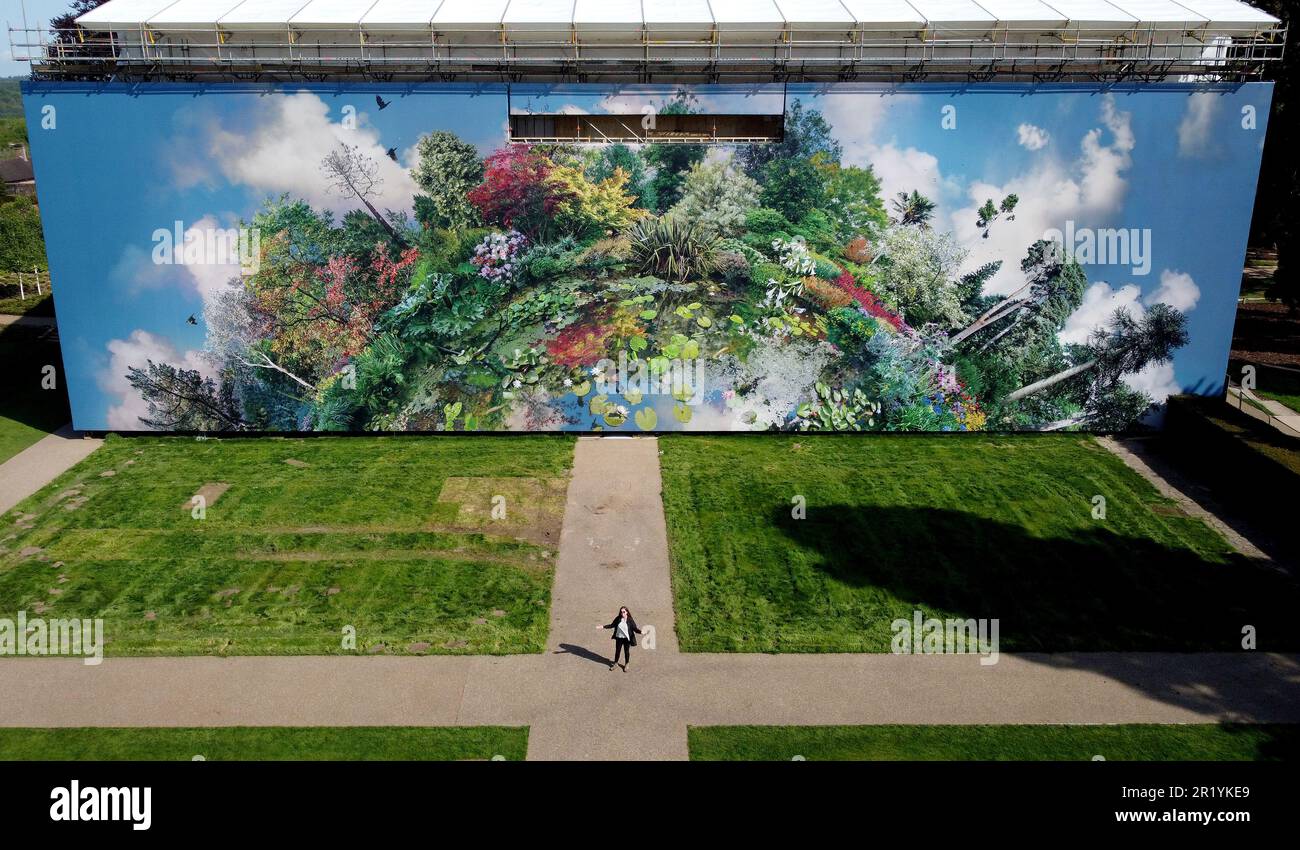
[
  {"x": 1023, "y": 12},
  {"x": 331, "y": 12},
  {"x": 1161, "y": 12},
  {"x": 674, "y": 11},
  {"x": 462, "y": 12},
  {"x": 191, "y": 13},
  {"x": 122, "y": 13},
  {"x": 258, "y": 13},
  {"x": 872, "y": 12},
  {"x": 953, "y": 13},
  {"x": 1227, "y": 12},
  {"x": 607, "y": 12},
  {"x": 401, "y": 13},
  {"x": 746, "y": 12},
  {"x": 814, "y": 12},
  {"x": 1092, "y": 13},
  {"x": 727, "y": 14},
  {"x": 548, "y": 12}
]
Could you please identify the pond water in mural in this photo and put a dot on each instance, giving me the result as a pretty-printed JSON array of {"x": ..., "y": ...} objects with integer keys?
[{"x": 382, "y": 258}]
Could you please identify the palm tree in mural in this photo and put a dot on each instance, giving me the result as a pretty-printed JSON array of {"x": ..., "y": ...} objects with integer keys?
[{"x": 913, "y": 209}]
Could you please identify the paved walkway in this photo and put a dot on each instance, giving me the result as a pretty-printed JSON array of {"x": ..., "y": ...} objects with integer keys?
[
  {"x": 27, "y": 321},
  {"x": 614, "y": 551},
  {"x": 40, "y": 463}
]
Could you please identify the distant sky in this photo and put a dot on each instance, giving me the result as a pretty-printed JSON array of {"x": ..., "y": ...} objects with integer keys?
[{"x": 39, "y": 13}]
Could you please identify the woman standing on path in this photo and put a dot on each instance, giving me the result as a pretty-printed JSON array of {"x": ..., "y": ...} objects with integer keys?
[{"x": 625, "y": 632}]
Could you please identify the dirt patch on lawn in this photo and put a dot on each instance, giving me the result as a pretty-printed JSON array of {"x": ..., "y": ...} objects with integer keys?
[
  {"x": 530, "y": 509},
  {"x": 210, "y": 493}
]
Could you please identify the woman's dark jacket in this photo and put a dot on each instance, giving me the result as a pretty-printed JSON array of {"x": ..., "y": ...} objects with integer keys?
[{"x": 632, "y": 630}]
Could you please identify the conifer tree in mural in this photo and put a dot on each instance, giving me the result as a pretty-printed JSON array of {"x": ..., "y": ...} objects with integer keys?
[{"x": 774, "y": 283}]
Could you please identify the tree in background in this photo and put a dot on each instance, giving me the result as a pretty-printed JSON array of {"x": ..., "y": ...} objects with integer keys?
[
  {"x": 448, "y": 169},
  {"x": 62, "y": 27},
  {"x": 22, "y": 246},
  {"x": 1275, "y": 205}
]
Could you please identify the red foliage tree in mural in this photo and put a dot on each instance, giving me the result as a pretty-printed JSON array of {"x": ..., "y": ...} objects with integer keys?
[{"x": 516, "y": 191}]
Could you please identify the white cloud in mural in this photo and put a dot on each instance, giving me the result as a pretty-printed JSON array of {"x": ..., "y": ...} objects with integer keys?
[
  {"x": 1031, "y": 138},
  {"x": 137, "y": 271},
  {"x": 283, "y": 153},
  {"x": 1177, "y": 289},
  {"x": 1100, "y": 301},
  {"x": 857, "y": 120},
  {"x": 1194, "y": 137},
  {"x": 137, "y": 350},
  {"x": 1086, "y": 190},
  {"x": 1156, "y": 380}
]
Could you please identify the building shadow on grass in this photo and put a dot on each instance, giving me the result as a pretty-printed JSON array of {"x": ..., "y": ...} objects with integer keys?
[{"x": 1098, "y": 595}]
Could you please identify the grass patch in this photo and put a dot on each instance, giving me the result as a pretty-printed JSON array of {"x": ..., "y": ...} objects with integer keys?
[
  {"x": 1135, "y": 742},
  {"x": 354, "y": 533},
  {"x": 976, "y": 526},
  {"x": 32, "y": 305},
  {"x": 28, "y": 412},
  {"x": 266, "y": 743}
]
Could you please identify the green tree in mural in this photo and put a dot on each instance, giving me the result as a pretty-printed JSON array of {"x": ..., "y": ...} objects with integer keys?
[
  {"x": 793, "y": 187},
  {"x": 806, "y": 135},
  {"x": 184, "y": 400},
  {"x": 1129, "y": 345},
  {"x": 717, "y": 198},
  {"x": 1052, "y": 291},
  {"x": 611, "y": 158},
  {"x": 447, "y": 170},
  {"x": 671, "y": 162}
]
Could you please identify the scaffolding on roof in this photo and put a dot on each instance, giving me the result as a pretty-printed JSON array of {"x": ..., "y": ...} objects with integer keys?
[{"x": 658, "y": 40}]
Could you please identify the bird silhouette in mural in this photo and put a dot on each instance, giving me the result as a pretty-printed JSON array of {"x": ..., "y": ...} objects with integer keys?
[
  {"x": 392, "y": 154},
  {"x": 191, "y": 320},
  {"x": 383, "y": 104}
]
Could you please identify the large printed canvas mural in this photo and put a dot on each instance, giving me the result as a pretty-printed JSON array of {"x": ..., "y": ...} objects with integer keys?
[{"x": 909, "y": 258}]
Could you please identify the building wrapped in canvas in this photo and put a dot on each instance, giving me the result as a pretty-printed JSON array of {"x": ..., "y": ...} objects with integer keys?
[{"x": 646, "y": 215}]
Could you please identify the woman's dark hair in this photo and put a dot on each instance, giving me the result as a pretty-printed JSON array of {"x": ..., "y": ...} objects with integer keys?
[{"x": 620, "y": 611}]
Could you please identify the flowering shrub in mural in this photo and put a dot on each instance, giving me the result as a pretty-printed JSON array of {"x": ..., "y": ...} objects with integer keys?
[{"x": 767, "y": 287}]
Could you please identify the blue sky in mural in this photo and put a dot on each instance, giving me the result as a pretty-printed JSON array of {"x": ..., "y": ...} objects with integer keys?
[{"x": 1172, "y": 163}]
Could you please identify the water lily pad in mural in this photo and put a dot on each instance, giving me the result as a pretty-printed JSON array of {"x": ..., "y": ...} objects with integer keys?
[
  {"x": 647, "y": 419},
  {"x": 682, "y": 412}
]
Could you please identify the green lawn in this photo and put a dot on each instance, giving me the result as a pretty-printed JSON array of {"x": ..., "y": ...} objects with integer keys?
[
  {"x": 266, "y": 743},
  {"x": 27, "y": 410},
  {"x": 971, "y": 527},
  {"x": 1206, "y": 742},
  {"x": 389, "y": 535},
  {"x": 32, "y": 305},
  {"x": 1280, "y": 385}
]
